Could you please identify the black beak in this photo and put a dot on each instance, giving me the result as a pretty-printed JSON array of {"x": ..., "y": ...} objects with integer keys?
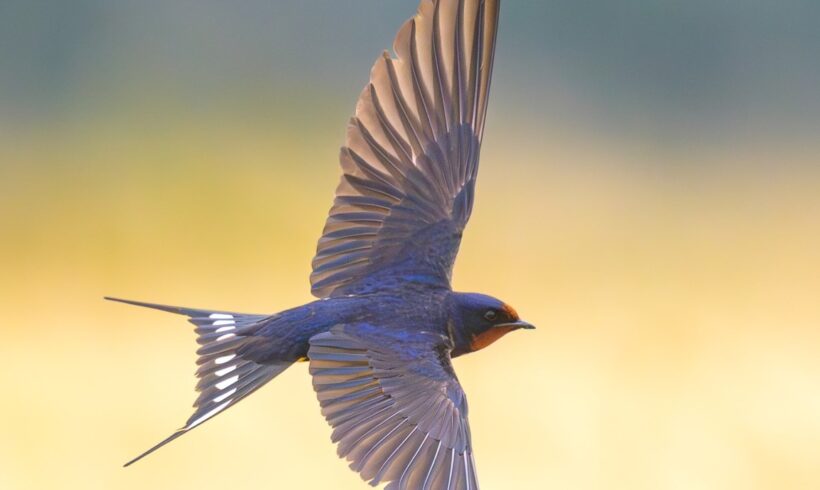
[{"x": 518, "y": 324}]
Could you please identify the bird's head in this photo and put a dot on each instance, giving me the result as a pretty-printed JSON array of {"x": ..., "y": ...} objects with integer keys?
[{"x": 482, "y": 319}]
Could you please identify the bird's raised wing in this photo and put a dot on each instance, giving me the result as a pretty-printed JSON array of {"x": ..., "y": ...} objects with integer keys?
[
  {"x": 397, "y": 410},
  {"x": 411, "y": 155}
]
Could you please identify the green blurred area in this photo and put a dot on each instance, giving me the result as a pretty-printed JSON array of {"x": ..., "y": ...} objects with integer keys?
[
  {"x": 648, "y": 197},
  {"x": 670, "y": 69}
]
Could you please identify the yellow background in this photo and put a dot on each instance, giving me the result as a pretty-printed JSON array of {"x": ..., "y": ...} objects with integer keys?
[{"x": 673, "y": 274}]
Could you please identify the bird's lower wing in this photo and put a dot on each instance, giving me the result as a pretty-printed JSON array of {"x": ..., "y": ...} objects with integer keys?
[{"x": 397, "y": 410}]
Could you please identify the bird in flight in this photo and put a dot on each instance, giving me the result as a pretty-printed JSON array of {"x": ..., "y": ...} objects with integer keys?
[{"x": 387, "y": 323}]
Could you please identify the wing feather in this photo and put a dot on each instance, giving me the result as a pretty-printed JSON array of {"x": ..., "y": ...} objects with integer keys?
[{"x": 397, "y": 410}]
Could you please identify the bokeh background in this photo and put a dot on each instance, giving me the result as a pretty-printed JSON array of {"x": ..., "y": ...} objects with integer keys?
[{"x": 649, "y": 197}]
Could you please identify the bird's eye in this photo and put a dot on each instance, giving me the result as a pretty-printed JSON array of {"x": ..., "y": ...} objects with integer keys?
[{"x": 490, "y": 315}]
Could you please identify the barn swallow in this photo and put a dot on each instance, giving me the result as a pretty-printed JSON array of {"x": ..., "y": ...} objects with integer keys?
[{"x": 381, "y": 336}]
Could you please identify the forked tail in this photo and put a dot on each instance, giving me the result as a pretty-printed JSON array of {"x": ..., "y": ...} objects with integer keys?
[{"x": 225, "y": 376}]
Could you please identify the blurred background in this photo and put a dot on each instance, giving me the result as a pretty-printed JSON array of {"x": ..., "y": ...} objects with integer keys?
[{"x": 649, "y": 197}]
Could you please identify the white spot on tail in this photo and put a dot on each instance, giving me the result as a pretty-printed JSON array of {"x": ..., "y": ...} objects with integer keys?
[
  {"x": 224, "y": 371},
  {"x": 224, "y": 316},
  {"x": 225, "y": 395},
  {"x": 223, "y": 322},
  {"x": 224, "y": 329},
  {"x": 209, "y": 415},
  {"x": 228, "y": 382},
  {"x": 466, "y": 471},
  {"x": 224, "y": 359},
  {"x": 226, "y": 336}
]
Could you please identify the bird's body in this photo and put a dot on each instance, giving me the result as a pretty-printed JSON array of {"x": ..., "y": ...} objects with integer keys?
[
  {"x": 287, "y": 334},
  {"x": 381, "y": 335}
]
